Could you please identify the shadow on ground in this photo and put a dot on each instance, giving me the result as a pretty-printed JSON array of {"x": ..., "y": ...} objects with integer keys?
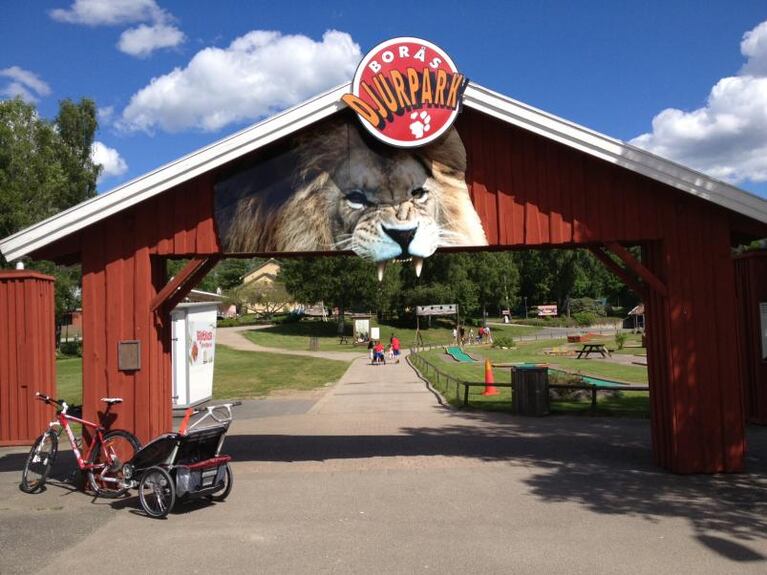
[{"x": 604, "y": 465}]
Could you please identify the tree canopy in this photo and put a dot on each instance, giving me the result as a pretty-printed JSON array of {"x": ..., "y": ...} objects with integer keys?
[
  {"x": 46, "y": 167},
  {"x": 482, "y": 282}
]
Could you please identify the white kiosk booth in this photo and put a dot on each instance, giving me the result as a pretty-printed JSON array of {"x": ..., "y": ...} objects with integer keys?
[{"x": 193, "y": 351}]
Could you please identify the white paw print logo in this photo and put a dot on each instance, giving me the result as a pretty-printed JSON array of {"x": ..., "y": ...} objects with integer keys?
[{"x": 420, "y": 124}]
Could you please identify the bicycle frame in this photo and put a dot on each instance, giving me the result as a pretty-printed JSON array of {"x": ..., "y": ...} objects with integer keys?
[
  {"x": 100, "y": 454},
  {"x": 62, "y": 420}
]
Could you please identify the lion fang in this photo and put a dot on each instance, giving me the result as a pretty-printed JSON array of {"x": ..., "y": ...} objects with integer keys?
[{"x": 381, "y": 270}]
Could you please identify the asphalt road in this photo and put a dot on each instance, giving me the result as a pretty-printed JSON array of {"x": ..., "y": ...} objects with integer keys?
[{"x": 375, "y": 476}]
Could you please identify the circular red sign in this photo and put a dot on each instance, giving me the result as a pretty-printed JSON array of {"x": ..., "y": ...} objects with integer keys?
[{"x": 407, "y": 91}]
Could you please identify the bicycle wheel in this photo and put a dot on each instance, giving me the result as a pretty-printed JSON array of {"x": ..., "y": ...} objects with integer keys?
[
  {"x": 156, "y": 492},
  {"x": 228, "y": 480},
  {"x": 39, "y": 462},
  {"x": 106, "y": 478}
]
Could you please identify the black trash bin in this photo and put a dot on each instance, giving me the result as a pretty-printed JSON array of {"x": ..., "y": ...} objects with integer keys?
[{"x": 531, "y": 390}]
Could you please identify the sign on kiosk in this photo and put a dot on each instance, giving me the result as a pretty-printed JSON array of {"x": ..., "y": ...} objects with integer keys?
[{"x": 194, "y": 347}]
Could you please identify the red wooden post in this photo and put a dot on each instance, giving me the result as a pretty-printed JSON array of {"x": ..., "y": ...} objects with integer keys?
[
  {"x": 751, "y": 276},
  {"x": 116, "y": 297},
  {"x": 692, "y": 355},
  {"x": 27, "y": 354}
]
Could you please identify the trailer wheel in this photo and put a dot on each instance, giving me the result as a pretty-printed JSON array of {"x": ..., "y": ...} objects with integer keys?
[
  {"x": 228, "y": 481},
  {"x": 156, "y": 492}
]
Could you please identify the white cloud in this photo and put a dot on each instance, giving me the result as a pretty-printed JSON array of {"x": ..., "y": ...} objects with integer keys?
[
  {"x": 110, "y": 12},
  {"x": 258, "y": 73},
  {"x": 24, "y": 84},
  {"x": 14, "y": 90},
  {"x": 726, "y": 138},
  {"x": 143, "y": 40},
  {"x": 139, "y": 41},
  {"x": 754, "y": 47},
  {"x": 110, "y": 160},
  {"x": 105, "y": 114}
]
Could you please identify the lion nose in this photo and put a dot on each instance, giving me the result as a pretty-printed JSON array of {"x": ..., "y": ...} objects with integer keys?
[{"x": 402, "y": 237}]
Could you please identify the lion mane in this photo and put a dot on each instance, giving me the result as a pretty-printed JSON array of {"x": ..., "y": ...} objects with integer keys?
[{"x": 348, "y": 191}]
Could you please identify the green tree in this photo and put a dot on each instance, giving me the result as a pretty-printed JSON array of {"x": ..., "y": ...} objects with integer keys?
[
  {"x": 228, "y": 274},
  {"x": 46, "y": 167},
  {"x": 76, "y": 126},
  {"x": 338, "y": 281},
  {"x": 268, "y": 297},
  {"x": 497, "y": 279},
  {"x": 446, "y": 279},
  {"x": 555, "y": 276}
]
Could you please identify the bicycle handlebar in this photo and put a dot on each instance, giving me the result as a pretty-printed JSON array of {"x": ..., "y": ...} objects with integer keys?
[{"x": 47, "y": 399}]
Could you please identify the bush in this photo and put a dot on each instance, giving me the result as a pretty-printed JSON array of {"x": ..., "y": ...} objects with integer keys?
[
  {"x": 249, "y": 319},
  {"x": 587, "y": 305},
  {"x": 71, "y": 348},
  {"x": 620, "y": 339},
  {"x": 585, "y": 318},
  {"x": 503, "y": 341},
  {"x": 289, "y": 318},
  {"x": 567, "y": 394}
]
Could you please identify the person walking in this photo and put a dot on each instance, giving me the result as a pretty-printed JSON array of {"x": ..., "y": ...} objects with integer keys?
[
  {"x": 378, "y": 353},
  {"x": 371, "y": 345},
  {"x": 395, "y": 347}
]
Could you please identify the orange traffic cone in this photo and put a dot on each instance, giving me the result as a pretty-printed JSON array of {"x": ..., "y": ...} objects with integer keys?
[{"x": 489, "y": 380}]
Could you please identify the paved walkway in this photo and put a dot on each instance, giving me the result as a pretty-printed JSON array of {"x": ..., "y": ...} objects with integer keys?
[{"x": 377, "y": 477}]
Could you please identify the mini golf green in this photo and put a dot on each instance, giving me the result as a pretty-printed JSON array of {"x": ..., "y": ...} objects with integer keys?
[{"x": 459, "y": 355}]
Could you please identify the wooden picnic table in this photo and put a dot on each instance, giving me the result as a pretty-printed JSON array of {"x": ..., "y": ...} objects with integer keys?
[{"x": 593, "y": 348}]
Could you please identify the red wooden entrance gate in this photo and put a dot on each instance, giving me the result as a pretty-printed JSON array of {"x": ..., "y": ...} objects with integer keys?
[{"x": 529, "y": 190}]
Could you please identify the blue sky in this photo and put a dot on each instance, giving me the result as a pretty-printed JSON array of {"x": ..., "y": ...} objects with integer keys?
[{"x": 686, "y": 79}]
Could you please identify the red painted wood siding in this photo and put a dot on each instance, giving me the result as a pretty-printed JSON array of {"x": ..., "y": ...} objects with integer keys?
[
  {"x": 751, "y": 276},
  {"x": 27, "y": 354},
  {"x": 529, "y": 192},
  {"x": 120, "y": 277},
  {"x": 533, "y": 192}
]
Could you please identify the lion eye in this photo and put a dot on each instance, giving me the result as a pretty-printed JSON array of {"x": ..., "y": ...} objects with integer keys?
[
  {"x": 356, "y": 199},
  {"x": 420, "y": 195}
]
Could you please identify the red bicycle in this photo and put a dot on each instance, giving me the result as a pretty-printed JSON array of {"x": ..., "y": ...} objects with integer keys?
[{"x": 102, "y": 461}]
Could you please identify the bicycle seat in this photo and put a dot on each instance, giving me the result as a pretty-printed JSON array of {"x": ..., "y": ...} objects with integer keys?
[{"x": 112, "y": 400}]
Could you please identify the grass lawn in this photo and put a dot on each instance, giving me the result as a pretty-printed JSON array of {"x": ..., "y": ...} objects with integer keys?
[
  {"x": 631, "y": 404},
  {"x": 245, "y": 374},
  {"x": 237, "y": 375},
  {"x": 296, "y": 335},
  {"x": 69, "y": 380}
]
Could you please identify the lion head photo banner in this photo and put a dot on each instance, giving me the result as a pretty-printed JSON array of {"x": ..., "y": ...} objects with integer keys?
[
  {"x": 335, "y": 188},
  {"x": 388, "y": 184}
]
